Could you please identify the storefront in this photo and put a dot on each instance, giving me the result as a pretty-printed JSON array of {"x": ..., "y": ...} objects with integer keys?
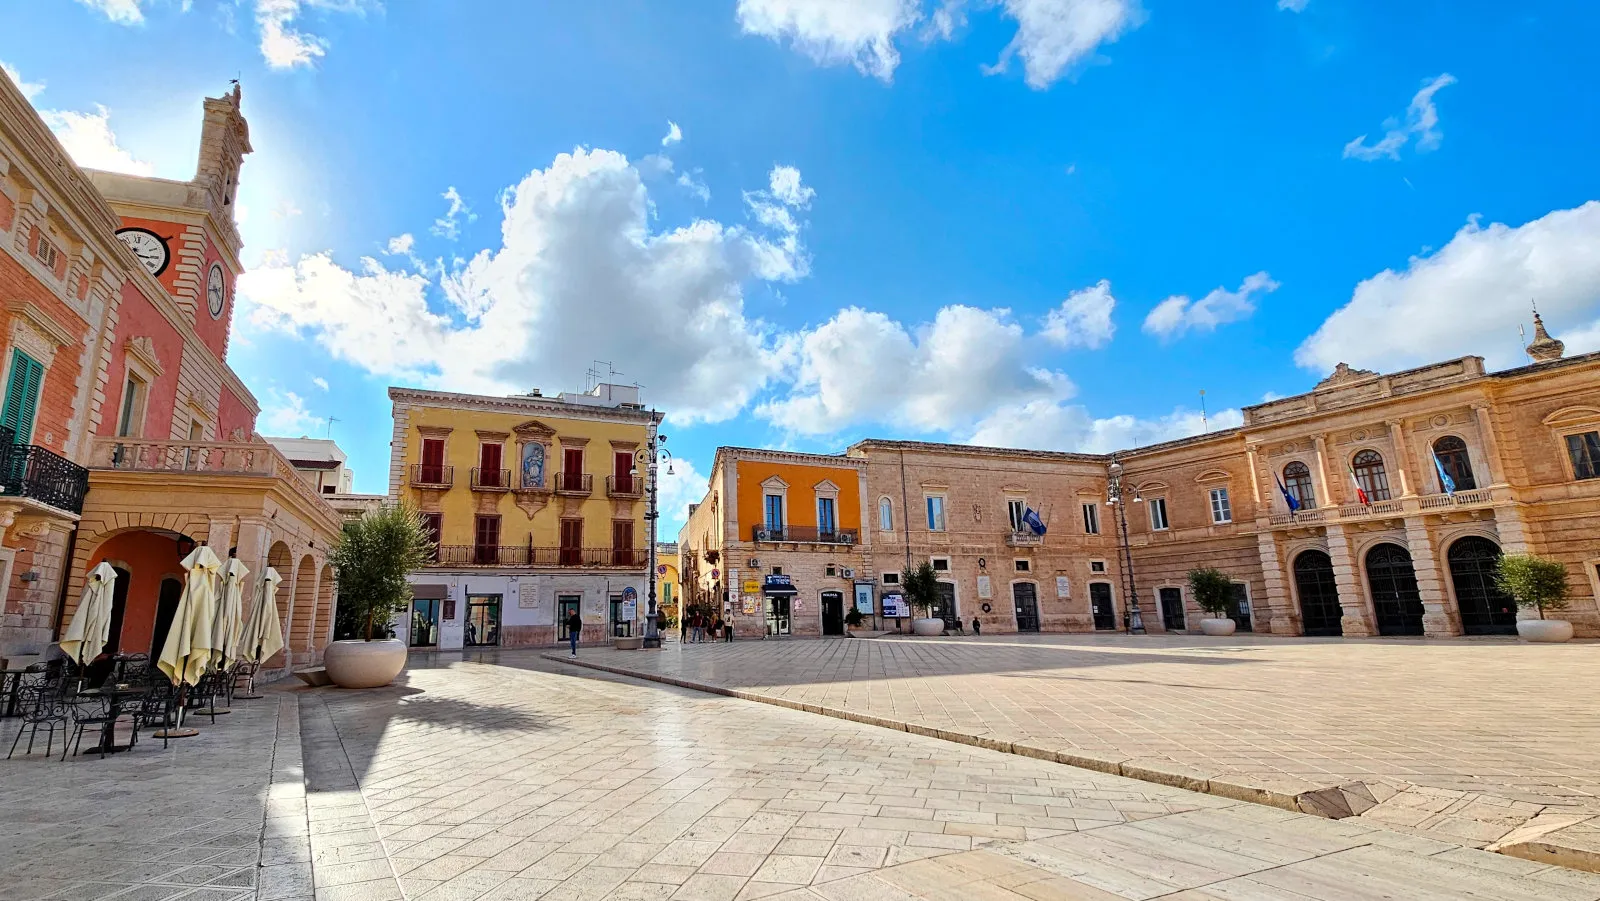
[{"x": 778, "y": 592}]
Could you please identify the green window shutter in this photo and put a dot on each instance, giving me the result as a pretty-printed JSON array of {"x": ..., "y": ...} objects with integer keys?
[{"x": 22, "y": 396}]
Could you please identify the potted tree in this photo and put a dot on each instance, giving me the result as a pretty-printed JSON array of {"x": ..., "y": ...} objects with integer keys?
[
  {"x": 852, "y": 620},
  {"x": 372, "y": 558},
  {"x": 1213, "y": 592},
  {"x": 920, "y": 585},
  {"x": 1541, "y": 584}
]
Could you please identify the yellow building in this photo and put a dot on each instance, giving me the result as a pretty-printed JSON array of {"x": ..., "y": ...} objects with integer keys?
[
  {"x": 537, "y": 511},
  {"x": 669, "y": 580}
]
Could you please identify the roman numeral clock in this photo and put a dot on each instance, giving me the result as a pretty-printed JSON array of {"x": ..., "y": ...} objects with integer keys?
[{"x": 149, "y": 247}]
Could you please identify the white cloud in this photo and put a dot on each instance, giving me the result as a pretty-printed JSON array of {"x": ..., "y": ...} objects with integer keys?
[
  {"x": 685, "y": 485},
  {"x": 286, "y": 414},
  {"x": 400, "y": 245},
  {"x": 579, "y": 275},
  {"x": 90, "y": 142},
  {"x": 1056, "y": 36},
  {"x": 125, "y": 12},
  {"x": 1043, "y": 425},
  {"x": 674, "y": 134},
  {"x": 786, "y": 186},
  {"x": 1294, "y": 6},
  {"x": 861, "y": 366},
  {"x": 775, "y": 209},
  {"x": 1178, "y": 314},
  {"x": 1469, "y": 296},
  {"x": 1083, "y": 319},
  {"x": 694, "y": 183},
  {"x": 283, "y": 45},
  {"x": 448, "y": 225},
  {"x": 1421, "y": 122},
  {"x": 29, "y": 89},
  {"x": 831, "y": 32},
  {"x": 320, "y": 382}
]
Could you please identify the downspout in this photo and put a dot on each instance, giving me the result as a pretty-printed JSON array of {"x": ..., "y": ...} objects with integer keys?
[{"x": 905, "y": 507}]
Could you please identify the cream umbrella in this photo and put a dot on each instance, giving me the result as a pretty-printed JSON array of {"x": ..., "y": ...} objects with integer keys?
[
  {"x": 227, "y": 629},
  {"x": 263, "y": 635},
  {"x": 90, "y": 628},
  {"x": 187, "y": 652}
]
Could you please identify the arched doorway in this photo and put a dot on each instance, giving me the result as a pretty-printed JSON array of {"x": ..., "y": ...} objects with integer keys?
[
  {"x": 166, "y": 611},
  {"x": 280, "y": 559},
  {"x": 119, "y": 609},
  {"x": 324, "y": 624},
  {"x": 1396, "y": 603},
  {"x": 1025, "y": 602},
  {"x": 145, "y": 559},
  {"x": 305, "y": 604},
  {"x": 1485, "y": 609},
  {"x": 1320, "y": 612}
]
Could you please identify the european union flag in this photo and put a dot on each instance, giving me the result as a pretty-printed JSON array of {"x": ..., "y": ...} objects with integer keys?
[
  {"x": 1031, "y": 518},
  {"x": 1291, "y": 500},
  {"x": 1445, "y": 482}
]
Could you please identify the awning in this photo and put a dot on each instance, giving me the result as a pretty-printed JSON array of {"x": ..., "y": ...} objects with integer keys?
[
  {"x": 430, "y": 592},
  {"x": 784, "y": 591}
]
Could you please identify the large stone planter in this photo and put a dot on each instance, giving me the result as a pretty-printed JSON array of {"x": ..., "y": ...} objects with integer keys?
[
  {"x": 1544, "y": 630},
  {"x": 628, "y": 644},
  {"x": 1218, "y": 626},
  {"x": 927, "y": 626},
  {"x": 365, "y": 664}
]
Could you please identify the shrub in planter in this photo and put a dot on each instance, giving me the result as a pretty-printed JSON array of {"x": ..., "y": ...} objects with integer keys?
[
  {"x": 372, "y": 558},
  {"x": 1213, "y": 592},
  {"x": 920, "y": 585},
  {"x": 853, "y": 618},
  {"x": 1538, "y": 583}
]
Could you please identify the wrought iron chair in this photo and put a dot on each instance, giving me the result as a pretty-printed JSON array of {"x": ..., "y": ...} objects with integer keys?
[
  {"x": 131, "y": 669},
  {"x": 86, "y": 711},
  {"x": 244, "y": 671},
  {"x": 157, "y": 707},
  {"x": 43, "y": 705},
  {"x": 202, "y": 697}
]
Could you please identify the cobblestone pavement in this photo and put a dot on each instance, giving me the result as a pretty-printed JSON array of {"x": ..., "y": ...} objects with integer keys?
[
  {"x": 512, "y": 777},
  {"x": 1479, "y": 738}
]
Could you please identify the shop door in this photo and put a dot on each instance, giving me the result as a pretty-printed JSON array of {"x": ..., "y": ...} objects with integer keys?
[
  {"x": 832, "y": 613},
  {"x": 1485, "y": 609},
  {"x": 1320, "y": 612},
  {"x": 1025, "y": 598},
  {"x": 482, "y": 629},
  {"x": 1395, "y": 598},
  {"x": 566, "y": 607},
  {"x": 620, "y": 628},
  {"x": 424, "y": 624},
  {"x": 778, "y": 614},
  {"x": 166, "y": 609},
  {"x": 944, "y": 604},
  {"x": 1105, "y": 615},
  {"x": 1172, "y": 618}
]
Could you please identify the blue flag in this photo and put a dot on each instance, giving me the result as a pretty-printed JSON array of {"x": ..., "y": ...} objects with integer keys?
[
  {"x": 1031, "y": 518},
  {"x": 1445, "y": 482},
  {"x": 1294, "y": 504}
]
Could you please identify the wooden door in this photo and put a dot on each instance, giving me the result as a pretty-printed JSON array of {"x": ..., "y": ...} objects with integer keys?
[
  {"x": 433, "y": 460},
  {"x": 572, "y": 468},
  {"x": 622, "y": 471},
  {"x": 489, "y": 466},
  {"x": 622, "y": 542},
  {"x": 571, "y": 542}
]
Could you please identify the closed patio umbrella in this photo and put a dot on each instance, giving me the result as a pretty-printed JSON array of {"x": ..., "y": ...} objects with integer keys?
[
  {"x": 229, "y": 625},
  {"x": 187, "y": 653},
  {"x": 90, "y": 628},
  {"x": 263, "y": 634}
]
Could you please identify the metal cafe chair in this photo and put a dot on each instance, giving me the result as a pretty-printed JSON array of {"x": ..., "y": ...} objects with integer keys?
[
  {"x": 87, "y": 711},
  {"x": 43, "y": 705}
]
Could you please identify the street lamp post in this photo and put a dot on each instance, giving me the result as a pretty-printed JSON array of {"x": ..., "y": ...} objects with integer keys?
[
  {"x": 1114, "y": 497},
  {"x": 649, "y": 455}
]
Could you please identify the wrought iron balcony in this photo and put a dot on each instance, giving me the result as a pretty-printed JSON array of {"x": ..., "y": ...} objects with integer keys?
[
  {"x": 803, "y": 535},
  {"x": 490, "y": 479},
  {"x": 523, "y": 555},
  {"x": 432, "y": 475},
  {"x": 37, "y": 473},
  {"x": 624, "y": 486},
  {"x": 574, "y": 483}
]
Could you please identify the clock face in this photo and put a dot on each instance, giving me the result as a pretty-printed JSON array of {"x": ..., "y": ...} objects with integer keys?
[
  {"x": 149, "y": 247},
  {"x": 216, "y": 291}
]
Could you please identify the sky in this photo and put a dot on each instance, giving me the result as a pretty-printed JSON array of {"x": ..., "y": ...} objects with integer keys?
[{"x": 800, "y": 223}]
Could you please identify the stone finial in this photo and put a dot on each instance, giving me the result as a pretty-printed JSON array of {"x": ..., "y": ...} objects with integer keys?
[
  {"x": 1544, "y": 348},
  {"x": 1344, "y": 373}
]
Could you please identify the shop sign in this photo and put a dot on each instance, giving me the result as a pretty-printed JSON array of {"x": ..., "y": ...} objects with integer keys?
[
  {"x": 751, "y": 586},
  {"x": 895, "y": 605},
  {"x": 864, "y": 598},
  {"x": 779, "y": 580}
]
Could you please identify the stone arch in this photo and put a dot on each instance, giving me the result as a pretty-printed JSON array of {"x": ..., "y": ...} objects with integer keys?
[
  {"x": 305, "y": 604},
  {"x": 280, "y": 558},
  {"x": 323, "y": 629},
  {"x": 1392, "y": 579},
  {"x": 1485, "y": 609},
  {"x": 145, "y": 558},
  {"x": 1317, "y": 592}
]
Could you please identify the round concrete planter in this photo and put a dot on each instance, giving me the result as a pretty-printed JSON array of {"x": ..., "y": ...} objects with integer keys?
[
  {"x": 365, "y": 664},
  {"x": 927, "y": 626},
  {"x": 1544, "y": 630},
  {"x": 1218, "y": 626}
]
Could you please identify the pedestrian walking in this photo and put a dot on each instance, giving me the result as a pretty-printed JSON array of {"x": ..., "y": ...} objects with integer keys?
[
  {"x": 727, "y": 631},
  {"x": 716, "y": 628},
  {"x": 977, "y": 627},
  {"x": 574, "y": 626},
  {"x": 683, "y": 629}
]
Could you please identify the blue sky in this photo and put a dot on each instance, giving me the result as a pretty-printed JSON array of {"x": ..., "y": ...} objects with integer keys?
[{"x": 1045, "y": 223}]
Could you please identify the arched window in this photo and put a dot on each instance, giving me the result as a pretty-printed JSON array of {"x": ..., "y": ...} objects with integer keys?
[
  {"x": 1451, "y": 453},
  {"x": 885, "y": 514},
  {"x": 1370, "y": 475},
  {"x": 1297, "y": 479}
]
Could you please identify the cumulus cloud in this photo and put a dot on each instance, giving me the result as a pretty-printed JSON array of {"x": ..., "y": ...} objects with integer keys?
[
  {"x": 674, "y": 134},
  {"x": 1083, "y": 319},
  {"x": 1468, "y": 296},
  {"x": 678, "y": 489},
  {"x": 401, "y": 245},
  {"x": 88, "y": 139},
  {"x": 1421, "y": 122},
  {"x": 283, "y": 45},
  {"x": 1043, "y": 425},
  {"x": 1052, "y": 38},
  {"x": 29, "y": 89},
  {"x": 449, "y": 225},
  {"x": 579, "y": 274},
  {"x": 286, "y": 414},
  {"x": 123, "y": 12},
  {"x": 786, "y": 187},
  {"x": 1178, "y": 314}
]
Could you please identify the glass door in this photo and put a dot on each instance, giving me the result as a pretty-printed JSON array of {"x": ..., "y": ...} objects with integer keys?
[
  {"x": 424, "y": 624},
  {"x": 1105, "y": 615},
  {"x": 482, "y": 629},
  {"x": 566, "y": 608},
  {"x": 777, "y": 615}
]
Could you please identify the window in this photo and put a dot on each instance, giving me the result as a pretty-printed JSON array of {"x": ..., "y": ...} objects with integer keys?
[
  {"x": 775, "y": 512},
  {"x": 433, "y": 524},
  {"x": 1297, "y": 481},
  {"x": 1023, "y": 566},
  {"x": 572, "y": 468},
  {"x": 1584, "y": 449},
  {"x": 1097, "y": 566},
  {"x": 1451, "y": 452},
  {"x": 131, "y": 420},
  {"x": 832, "y": 571},
  {"x": 826, "y": 523},
  {"x": 885, "y": 515},
  {"x": 777, "y": 570},
  {"x": 489, "y": 456},
  {"x": 1158, "y": 513},
  {"x": 1221, "y": 512},
  {"x": 622, "y": 542},
  {"x": 1091, "y": 519},
  {"x": 1370, "y": 475},
  {"x": 486, "y": 540},
  {"x": 46, "y": 252},
  {"x": 935, "y": 513},
  {"x": 22, "y": 396},
  {"x": 433, "y": 461},
  {"x": 622, "y": 472},
  {"x": 941, "y": 564},
  {"x": 1015, "y": 510},
  {"x": 891, "y": 578}
]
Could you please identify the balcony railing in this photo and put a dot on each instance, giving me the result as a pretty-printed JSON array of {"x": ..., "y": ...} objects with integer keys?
[
  {"x": 1401, "y": 506},
  {"x": 205, "y": 458},
  {"x": 1376, "y": 508},
  {"x": 1024, "y": 539},
  {"x": 523, "y": 555},
  {"x": 574, "y": 483},
  {"x": 1473, "y": 498},
  {"x": 624, "y": 486},
  {"x": 432, "y": 475},
  {"x": 803, "y": 535},
  {"x": 490, "y": 479},
  {"x": 40, "y": 474}
]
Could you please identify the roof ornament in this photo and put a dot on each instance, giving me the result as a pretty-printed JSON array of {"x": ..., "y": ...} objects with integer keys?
[
  {"x": 1343, "y": 374},
  {"x": 1544, "y": 348}
]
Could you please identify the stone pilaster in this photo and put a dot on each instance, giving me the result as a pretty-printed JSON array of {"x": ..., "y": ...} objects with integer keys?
[
  {"x": 1397, "y": 439},
  {"x": 1325, "y": 495},
  {"x": 1492, "y": 473},
  {"x": 1357, "y": 621},
  {"x": 1439, "y": 617},
  {"x": 1283, "y": 618}
]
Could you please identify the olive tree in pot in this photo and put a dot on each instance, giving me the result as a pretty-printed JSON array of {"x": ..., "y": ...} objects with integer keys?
[
  {"x": 1213, "y": 592},
  {"x": 372, "y": 559},
  {"x": 1541, "y": 584},
  {"x": 921, "y": 586}
]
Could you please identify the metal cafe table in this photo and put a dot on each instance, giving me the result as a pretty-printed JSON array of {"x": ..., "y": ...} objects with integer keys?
[{"x": 115, "y": 696}]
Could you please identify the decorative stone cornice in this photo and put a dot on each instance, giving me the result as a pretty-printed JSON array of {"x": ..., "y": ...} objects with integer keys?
[
  {"x": 484, "y": 435},
  {"x": 1344, "y": 374},
  {"x": 143, "y": 349}
]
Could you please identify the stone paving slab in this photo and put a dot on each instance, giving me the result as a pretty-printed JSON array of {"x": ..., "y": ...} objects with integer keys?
[{"x": 1465, "y": 740}]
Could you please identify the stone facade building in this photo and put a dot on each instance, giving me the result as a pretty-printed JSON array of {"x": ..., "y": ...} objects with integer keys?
[{"x": 1406, "y": 487}]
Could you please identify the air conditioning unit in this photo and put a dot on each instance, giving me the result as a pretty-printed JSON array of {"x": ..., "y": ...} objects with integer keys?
[
  {"x": 849, "y": 573},
  {"x": 754, "y": 563}
]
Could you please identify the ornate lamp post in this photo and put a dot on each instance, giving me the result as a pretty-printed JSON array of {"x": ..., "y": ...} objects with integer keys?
[
  {"x": 1114, "y": 497},
  {"x": 648, "y": 457}
]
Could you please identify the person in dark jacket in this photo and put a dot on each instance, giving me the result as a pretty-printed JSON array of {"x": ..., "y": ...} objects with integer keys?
[
  {"x": 977, "y": 627},
  {"x": 574, "y": 626}
]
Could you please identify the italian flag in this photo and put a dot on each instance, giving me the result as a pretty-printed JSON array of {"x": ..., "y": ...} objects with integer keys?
[{"x": 1361, "y": 495}]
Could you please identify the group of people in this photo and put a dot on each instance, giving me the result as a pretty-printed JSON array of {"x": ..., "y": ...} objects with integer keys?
[{"x": 694, "y": 629}]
